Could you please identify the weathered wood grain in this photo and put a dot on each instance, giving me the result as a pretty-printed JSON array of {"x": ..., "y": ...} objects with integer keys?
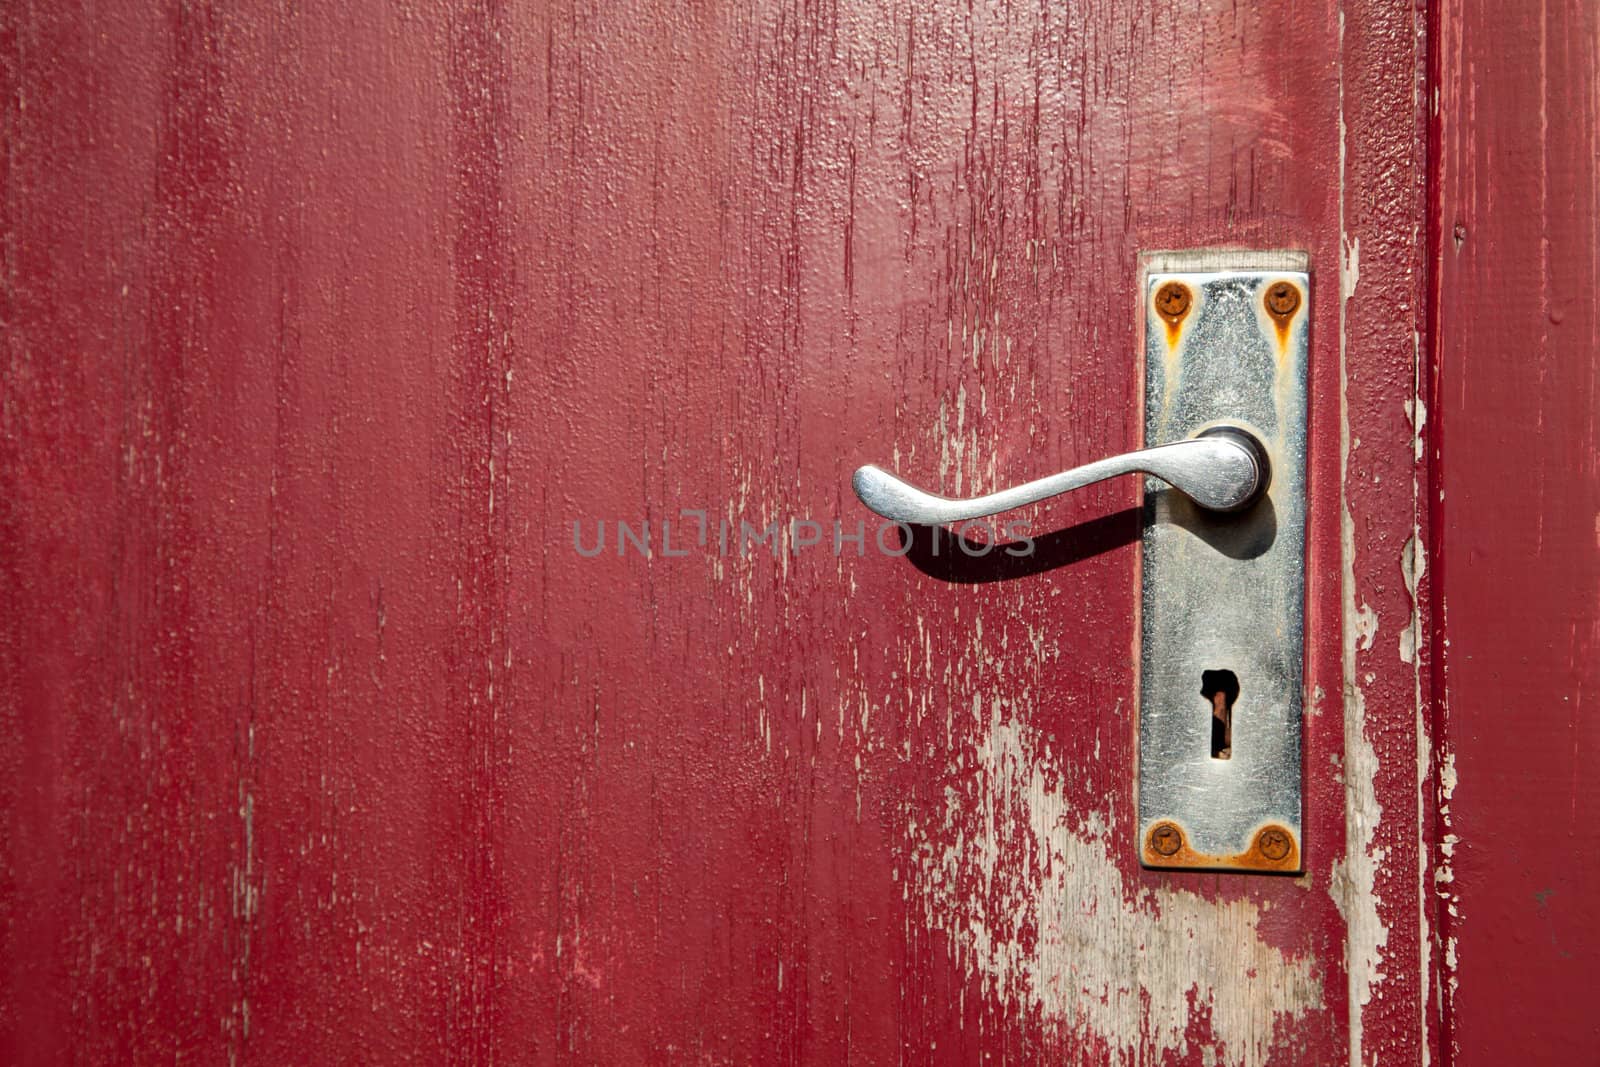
[
  {"x": 324, "y": 325},
  {"x": 1517, "y": 556}
]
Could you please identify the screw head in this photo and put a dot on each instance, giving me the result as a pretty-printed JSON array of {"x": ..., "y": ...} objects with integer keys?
[
  {"x": 1273, "y": 844},
  {"x": 1282, "y": 298},
  {"x": 1166, "y": 838},
  {"x": 1172, "y": 301}
]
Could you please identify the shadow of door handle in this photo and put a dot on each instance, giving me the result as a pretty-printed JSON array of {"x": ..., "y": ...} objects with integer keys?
[{"x": 1224, "y": 468}]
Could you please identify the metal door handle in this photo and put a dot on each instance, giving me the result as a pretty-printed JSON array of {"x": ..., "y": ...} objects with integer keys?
[{"x": 1224, "y": 468}]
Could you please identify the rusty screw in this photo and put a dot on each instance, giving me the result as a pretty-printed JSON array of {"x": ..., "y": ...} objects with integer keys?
[
  {"x": 1274, "y": 844},
  {"x": 1172, "y": 301},
  {"x": 1166, "y": 838},
  {"x": 1283, "y": 299}
]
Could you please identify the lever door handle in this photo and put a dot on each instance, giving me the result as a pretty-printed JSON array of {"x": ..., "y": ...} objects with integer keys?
[{"x": 1224, "y": 468}]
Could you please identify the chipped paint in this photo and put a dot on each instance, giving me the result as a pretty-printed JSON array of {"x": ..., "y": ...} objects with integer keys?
[
  {"x": 1413, "y": 565},
  {"x": 1354, "y": 879},
  {"x": 1355, "y": 875},
  {"x": 1030, "y": 892},
  {"x": 1363, "y": 622},
  {"x": 1444, "y": 875},
  {"x": 1417, "y": 408}
]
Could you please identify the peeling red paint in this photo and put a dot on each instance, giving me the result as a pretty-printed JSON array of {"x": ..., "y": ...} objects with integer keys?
[{"x": 324, "y": 325}]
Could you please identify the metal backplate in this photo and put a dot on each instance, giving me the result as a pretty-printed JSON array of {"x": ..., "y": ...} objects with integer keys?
[{"x": 1223, "y": 595}]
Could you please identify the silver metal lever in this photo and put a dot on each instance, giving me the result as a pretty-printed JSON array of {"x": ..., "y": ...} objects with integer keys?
[{"x": 1224, "y": 468}]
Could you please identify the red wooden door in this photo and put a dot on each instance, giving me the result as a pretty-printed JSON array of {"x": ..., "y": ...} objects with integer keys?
[{"x": 324, "y": 742}]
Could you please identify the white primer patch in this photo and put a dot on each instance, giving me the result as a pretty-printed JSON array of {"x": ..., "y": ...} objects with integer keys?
[
  {"x": 1032, "y": 898},
  {"x": 1413, "y": 565},
  {"x": 1349, "y": 266},
  {"x": 1355, "y": 875},
  {"x": 1365, "y": 624},
  {"x": 1447, "y": 778}
]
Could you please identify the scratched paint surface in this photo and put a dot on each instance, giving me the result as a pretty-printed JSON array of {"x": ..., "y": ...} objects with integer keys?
[
  {"x": 1517, "y": 542},
  {"x": 324, "y": 326}
]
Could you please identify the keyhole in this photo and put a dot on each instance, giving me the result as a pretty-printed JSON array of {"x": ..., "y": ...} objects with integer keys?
[{"x": 1221, "y": 689}]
